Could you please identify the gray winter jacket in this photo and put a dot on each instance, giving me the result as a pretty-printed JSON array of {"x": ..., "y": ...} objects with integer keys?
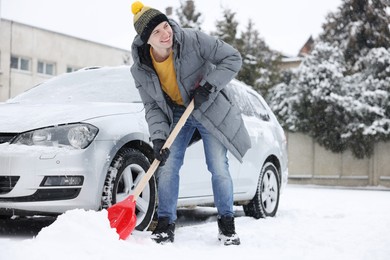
[{"x": 197, "y": 58}]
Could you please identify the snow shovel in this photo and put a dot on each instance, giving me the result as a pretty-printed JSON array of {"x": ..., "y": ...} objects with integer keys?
[{"x": 122, "y": 215}]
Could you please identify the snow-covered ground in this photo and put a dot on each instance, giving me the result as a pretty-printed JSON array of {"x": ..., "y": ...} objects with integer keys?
[{"x": 312, "y": 223}]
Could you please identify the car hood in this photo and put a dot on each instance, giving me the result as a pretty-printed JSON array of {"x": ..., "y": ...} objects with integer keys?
[{"x": 16, "y": 118}]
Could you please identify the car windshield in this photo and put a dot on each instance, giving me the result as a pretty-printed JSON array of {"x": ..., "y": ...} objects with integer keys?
[{"x": 92, "y": 85}]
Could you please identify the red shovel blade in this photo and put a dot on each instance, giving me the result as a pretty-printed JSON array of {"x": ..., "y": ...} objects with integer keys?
[{"x": 122, "y": 217}]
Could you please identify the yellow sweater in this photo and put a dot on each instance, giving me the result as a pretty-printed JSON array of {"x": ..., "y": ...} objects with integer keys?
[{"x": 167, "y": 75}]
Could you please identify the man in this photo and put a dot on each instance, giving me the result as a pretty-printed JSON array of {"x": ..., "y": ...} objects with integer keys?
[{"x": 171, "y": 66}]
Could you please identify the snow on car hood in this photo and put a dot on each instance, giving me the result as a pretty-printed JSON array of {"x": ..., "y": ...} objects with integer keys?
[{"x": 16, "y": 118}]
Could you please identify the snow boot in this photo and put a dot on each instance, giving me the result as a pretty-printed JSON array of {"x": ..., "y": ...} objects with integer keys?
[
  {"x": 227, "y": 233},
  {"x": 164, "y": 232}
]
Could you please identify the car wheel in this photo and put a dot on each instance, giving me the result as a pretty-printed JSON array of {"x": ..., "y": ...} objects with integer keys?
[
  {"x": 124, "y": 173},
  {"x": 266, "y": 200}
]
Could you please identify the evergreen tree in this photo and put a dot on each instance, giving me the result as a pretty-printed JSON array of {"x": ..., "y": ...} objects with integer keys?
[
  {"x": 250, "y": 45},
  {"x": 259, "y": 68},
  {"x": 226, "y": 28},
  {"x": 367, "y": 97},
  {"x": 260, "y": 63},
  {"x": 358, "y": 27},
  {"x": 308, "y": 104},
  {"x": 340, "y": 95},
  {"x": 188, "y": 17}
]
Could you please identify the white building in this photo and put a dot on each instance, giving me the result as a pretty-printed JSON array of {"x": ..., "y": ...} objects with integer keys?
[{"x": 30, "y": 55}]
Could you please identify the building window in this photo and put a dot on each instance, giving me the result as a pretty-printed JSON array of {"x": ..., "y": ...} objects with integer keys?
[
  {"x": 47, "y": 68},
  {"x": 20, "y": 63},
  {"x": 71, "y": 69}
]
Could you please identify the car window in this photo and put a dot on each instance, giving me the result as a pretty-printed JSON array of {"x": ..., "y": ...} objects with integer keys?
[
  {"x": 248, "y": 102},
  {"x": 258, "y": 108},
  {"x": 95, "y": 85}
]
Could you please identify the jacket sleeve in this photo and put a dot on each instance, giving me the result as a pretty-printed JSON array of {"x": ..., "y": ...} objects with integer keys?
[
  {"x": 227, "y": 60},
  {"x": 158, "y": 122}
]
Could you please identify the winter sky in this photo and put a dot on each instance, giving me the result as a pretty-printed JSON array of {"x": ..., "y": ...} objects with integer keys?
[{"x": 285, "y": 25}]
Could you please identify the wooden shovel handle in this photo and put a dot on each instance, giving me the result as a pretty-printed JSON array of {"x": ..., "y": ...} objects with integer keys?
[{"x": 142, "y": 183}]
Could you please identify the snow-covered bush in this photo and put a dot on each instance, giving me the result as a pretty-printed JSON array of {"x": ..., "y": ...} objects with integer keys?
[
  {"x": 340, "y": 93},
  {"x": 369, "y": 106},
  {"x": 339, "y": 112}
]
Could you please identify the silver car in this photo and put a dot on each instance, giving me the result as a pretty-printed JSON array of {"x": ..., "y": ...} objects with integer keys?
[{"x": 80, "y": 140}]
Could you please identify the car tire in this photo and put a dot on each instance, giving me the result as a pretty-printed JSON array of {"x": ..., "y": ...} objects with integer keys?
[
  {"x": 125, "y": 171},
  {"x": 266, "y": 200}
]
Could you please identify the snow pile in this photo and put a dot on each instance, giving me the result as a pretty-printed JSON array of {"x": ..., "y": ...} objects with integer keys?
[
  {"x": 74, "y": 235},
  {"x": 85, "y": 225},
  {"x": 312, "y": 223}
]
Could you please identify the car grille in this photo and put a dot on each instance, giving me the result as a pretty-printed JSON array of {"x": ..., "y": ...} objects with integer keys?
[
  {"x": 46, "y": 195},
  {"x": 7, "y": 183},
  {"x": 6, "y": 137}
]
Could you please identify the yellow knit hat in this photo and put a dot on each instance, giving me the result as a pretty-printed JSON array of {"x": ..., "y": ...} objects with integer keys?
[{"x": 146, "y": 19}]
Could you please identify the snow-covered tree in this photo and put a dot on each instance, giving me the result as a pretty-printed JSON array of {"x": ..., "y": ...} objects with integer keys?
[
  {"x": 367, "y": 100},
  {"x": 226, "y": 28},
  {"x": 250, "y": 45},
  {"x": 339, "y": 112},
  {"x": 259, "y": 68},
  {"x": 188, "y": 16},
  {"x": 306, "y": 104},
  {"x": 357, "y": 27},
  {"x": 340, "y": 93}
]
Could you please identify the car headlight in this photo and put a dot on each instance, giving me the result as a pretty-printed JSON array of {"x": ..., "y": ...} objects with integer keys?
[{"x": 78, "y": 136}]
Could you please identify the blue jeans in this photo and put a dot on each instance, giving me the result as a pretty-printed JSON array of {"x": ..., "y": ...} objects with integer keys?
[{"x": 217, "y": 163}]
